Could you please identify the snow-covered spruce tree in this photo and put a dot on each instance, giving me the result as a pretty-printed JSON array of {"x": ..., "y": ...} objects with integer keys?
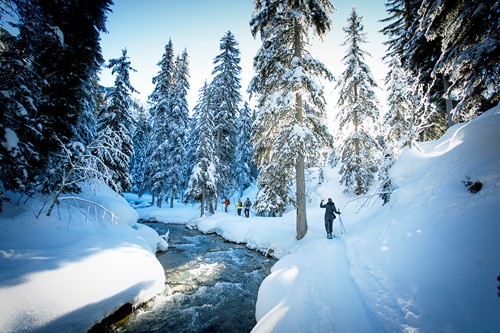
[
  {"x": 139, "y": 141},
  {"x": 67, "y": 63},
  {"x": 358, "y": 115},
  {"x": 274, "y": 182},
  {"x": 191, "y": 145},
  {"x": 157, "y": 147},
  {"x": 469, "y": 53},
  {"x": 177, "y": 122},
  {"x": 115, "y": 124},
  {"x": 19, "y": 89},
  {"x": 417, "y": 56},
  {"x": 399, "y": 121},
  {"x": 398, "y": 125},
  {"x": 202, "y": 185},
  {"x": 56, "y": 54},
  {"x": 226, "y": 99},
  {"x": 244, "y": 168},
  {"x": 286, "y": 77},
  {"x": 86, "y": 125}
]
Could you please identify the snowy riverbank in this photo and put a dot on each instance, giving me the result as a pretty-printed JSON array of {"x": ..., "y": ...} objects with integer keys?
[{"x": 64, "y": 273}]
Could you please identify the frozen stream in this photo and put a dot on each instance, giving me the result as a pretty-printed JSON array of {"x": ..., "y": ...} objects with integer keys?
[{"x": 211, "y": 285}]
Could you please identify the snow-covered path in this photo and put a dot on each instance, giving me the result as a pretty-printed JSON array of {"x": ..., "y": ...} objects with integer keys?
[{"x": 293, "y": 294}]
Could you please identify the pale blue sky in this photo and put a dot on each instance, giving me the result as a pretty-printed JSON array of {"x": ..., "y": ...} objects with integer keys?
[{"x": 144, "y": 27}]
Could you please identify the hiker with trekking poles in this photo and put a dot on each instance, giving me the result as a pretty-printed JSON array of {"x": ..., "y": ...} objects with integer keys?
[{"x": 330, "y": 212}]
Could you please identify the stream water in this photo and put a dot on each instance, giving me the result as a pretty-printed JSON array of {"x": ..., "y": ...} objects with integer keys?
[{"x": 211, "y": 285}]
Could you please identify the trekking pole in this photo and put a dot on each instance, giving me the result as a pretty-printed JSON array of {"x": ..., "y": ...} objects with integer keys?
[{"x": 342, "y": 228}]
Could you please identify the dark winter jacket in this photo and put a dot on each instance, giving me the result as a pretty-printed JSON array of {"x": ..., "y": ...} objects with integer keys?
[{"x": 330, "y": 209}]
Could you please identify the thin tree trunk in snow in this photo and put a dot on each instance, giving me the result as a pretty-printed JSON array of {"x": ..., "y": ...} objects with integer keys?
[
  {"x": 301, "y": 222},
  {"x": 448, "y": 102},
  {"x": 357, "y": 149},
  {"x": 202, "y": 206}
]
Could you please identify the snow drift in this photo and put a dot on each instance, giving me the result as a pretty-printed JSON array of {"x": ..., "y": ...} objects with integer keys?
[{"x": 68, "y": 271}]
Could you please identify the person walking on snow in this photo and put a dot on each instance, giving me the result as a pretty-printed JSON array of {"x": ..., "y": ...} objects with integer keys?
[
  {"x": 248, "y": 204},
  {"x": 239, "y": 206},
  {"x": 226, "y": 203},
  {"x": 330, "y": 212}
]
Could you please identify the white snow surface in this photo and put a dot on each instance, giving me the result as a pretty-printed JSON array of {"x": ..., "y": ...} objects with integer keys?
[{"x": 426, "y": 262}]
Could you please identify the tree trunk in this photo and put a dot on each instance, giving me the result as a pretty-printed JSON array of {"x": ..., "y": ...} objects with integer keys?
[
  {"x": 448, "y": 102},
  {"x": 357, "y": 149},
  {"x": 172, "y": 199},
  {"x": 202, "y": 200},
  {"x": 301, "y": 222},
  {"x": 61, "y": 188}
]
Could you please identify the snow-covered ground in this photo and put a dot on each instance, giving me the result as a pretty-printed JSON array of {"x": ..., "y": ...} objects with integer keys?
[
  {"x": 65, "y": 272},
  {"x": 426, "y": 262}
]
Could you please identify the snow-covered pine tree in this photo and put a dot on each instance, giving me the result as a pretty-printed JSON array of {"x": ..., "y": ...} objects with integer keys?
[
  {"x": 139, "y": 141},
  {"x": 67, "y": 55},
  {"x": 57, "y": 55},
  {"x": 418, "y": 56},
  {"x": 469, "y": 52},
  {"x": 399, "y": 123},
  {"x": 178, "y": 122},
  {"x": 226, "y": 99},
  {"x": 19, "y": 91},
  {"x": 274, "y": 182},
  {"x": 157, "y": 146},
  {"x": 115, "y": 124},
  {"x": 191, "y": 145},
  {"x": 358, "y": 115},
  {"x": 245, "y": 170},
  {"x": 85, "y": 130},
  {"x": 202, "y": 185},
  {"x": 287, "y": 76}
]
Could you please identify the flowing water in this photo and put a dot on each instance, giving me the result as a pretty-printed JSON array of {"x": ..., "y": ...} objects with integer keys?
[{"x": 211, "y": 285}]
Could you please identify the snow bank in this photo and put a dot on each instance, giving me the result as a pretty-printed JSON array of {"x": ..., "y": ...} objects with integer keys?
[
  {"x": 68, "y": 271},
  {"x": 428, "y": 261}
]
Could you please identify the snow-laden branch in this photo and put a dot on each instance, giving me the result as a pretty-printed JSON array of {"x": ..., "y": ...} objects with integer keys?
[
  {"x": 80, "y": 163},
  {"x": 94, "y": 204},
  {"x": 367, "y": 199}
]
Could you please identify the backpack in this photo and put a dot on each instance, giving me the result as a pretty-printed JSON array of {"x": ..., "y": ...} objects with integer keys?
[{"x": 228, "y": 202}]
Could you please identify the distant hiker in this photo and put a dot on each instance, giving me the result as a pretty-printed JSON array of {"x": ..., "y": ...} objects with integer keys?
[
  {"x": 226, "y": 203},
  {"x": 239, "y": 206},
  {"x": 329, "y": 216},
  {"x": 248, "y": 204}
]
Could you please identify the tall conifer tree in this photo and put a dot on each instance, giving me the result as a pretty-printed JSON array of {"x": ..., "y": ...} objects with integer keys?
[
  {"x": 178, "y": 122},
  {"x": 418, "y": 56},
  {"x": 203, "y": 179},
  {"x": 19, "y": 134},
  {"x": 359, "y": 151},
  {"x": 157, "y": 148},
  {"x": 399, "y": 121},
  {"x": 286, "y": 78},
  {"x": 67, "y": 63},
  {"x": 139, "y": 141},
  {"x": 245, "y": 170},
  {"x": 53, "y": 61},
  {"x": 226, "y": 100},
  {"x": 468, "y": 62},
  {"x": 115, "y": 124}
]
